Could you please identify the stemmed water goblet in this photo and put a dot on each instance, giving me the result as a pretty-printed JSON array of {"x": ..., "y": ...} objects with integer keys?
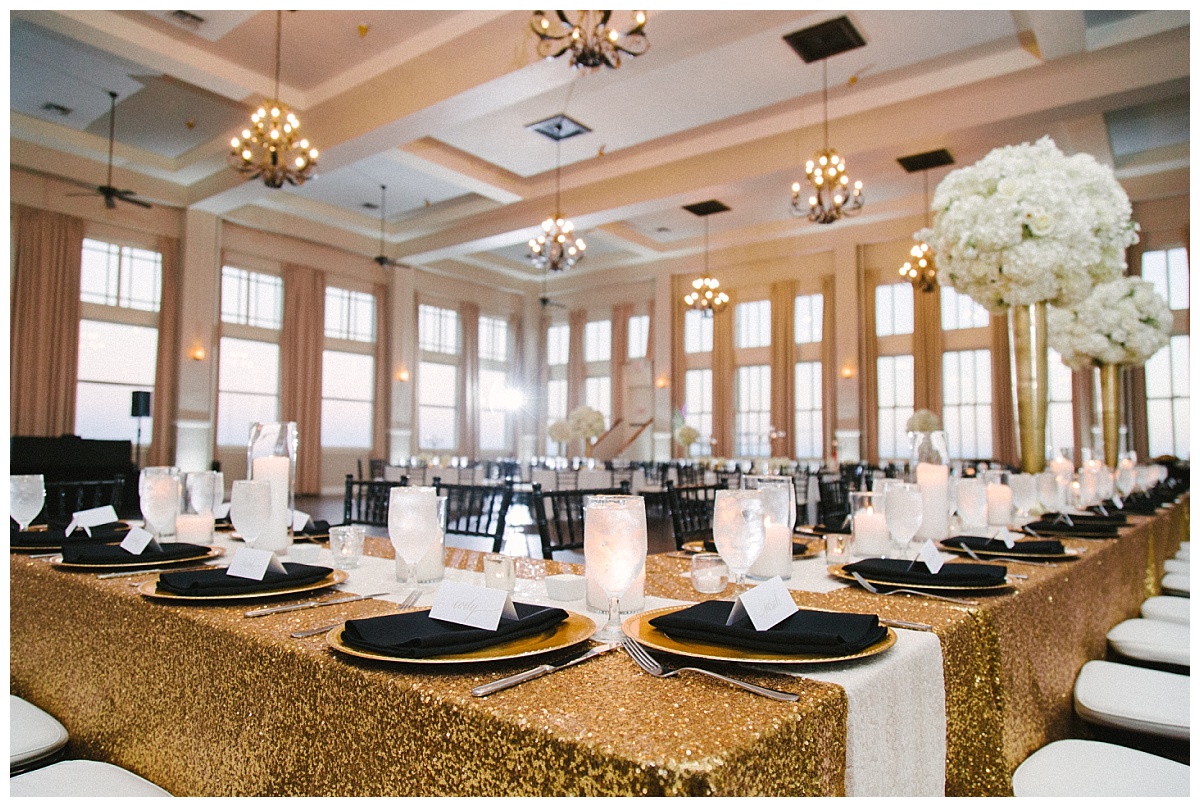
[
  {"x": 614, "y": 549},
  {"x": 738, "y": 530},
  {"x": 250, "y": 508},
  {"x": 159, "y": 492},
  {"x": 26, "y": 495},
  {"x": 902, "y": 511},
  {"x": 413, "y": 525}
]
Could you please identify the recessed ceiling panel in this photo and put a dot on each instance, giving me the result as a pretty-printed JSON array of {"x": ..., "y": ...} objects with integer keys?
[{"x": 409, "y": 190}]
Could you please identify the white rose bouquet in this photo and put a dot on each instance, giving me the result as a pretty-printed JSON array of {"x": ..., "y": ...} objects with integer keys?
[
  {"x": 1123, "y": 321},
  {"x": 923, "y": 421},
  {"x": 685, "y": 435},
  {"x": 559, "y": 431},
  {"x": 586, "y": 423},
  {"x": 1028, "y": 224}
]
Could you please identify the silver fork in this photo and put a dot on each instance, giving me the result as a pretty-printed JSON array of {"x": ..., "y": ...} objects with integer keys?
[
  {"x": 651, "y": 665},
  {"x": 914, "y": 593},
  {"x": 408, "y": 602},
  {"x": 973, "y": 556}
]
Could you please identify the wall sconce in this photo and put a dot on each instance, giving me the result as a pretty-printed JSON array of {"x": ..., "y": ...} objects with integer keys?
[
  {"x": 402, "y": 374},
  {"x": 662, "y": 382},
  {"x": 848, "y": 371},
  {"x": 198, "y": 353}
]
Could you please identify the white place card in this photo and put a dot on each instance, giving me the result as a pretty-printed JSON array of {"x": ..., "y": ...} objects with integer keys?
[
  {"x": 138, "y": 540},
  {"x": 253, "y": 564},
  {"x": 474, "y": 606},
  {"x": 767, "y": 604},
  {"x": 221, "y": 510},
  {"x": 1004, "y": 535},
  {"x": 299, "y": 519},
  {"x": 86, "y": 519},
  {"x": 930, "y": 557}
]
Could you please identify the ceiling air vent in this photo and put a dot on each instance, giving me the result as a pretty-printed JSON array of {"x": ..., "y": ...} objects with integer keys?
[
  {"x": 827, "y": 39},
  {"x": 560, "y": 127},
  {"x": 926, "y": 160},
  {"x": 706, "y": 208}
]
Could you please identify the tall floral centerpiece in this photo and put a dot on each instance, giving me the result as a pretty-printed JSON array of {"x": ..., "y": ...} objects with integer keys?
[
  {"x": 1122, "y": 322},
  {"x": 560, "y": 432},
  {"x": 587, "y": 424},
  {"x": 927, "y": 438},
  {"x": 685, "y": 435},
  {"x": 1023, "y": 227}
]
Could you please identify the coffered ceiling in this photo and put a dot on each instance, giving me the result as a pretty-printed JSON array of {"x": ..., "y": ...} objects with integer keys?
[{"x": 435, "y": 105}]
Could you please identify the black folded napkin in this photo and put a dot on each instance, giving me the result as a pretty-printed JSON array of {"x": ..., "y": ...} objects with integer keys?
[
  {"x": 1080, "y": 528},
  {"x": 415, "y": 635},
  {"x": 315, "y": 528},
  {"x": 216, "y": 583},
  {"x": 1114, "y": 516},
  {"x": 904, "y": 572},
  {"x": 804, "y": 632},
  {"x": 114, "y": 555},
  {"x": 980, "y": 542},
  {"x": 798, "y": 548},
  {"x": 1138, "y": 505},
  {"x": 55, "y": 537}
]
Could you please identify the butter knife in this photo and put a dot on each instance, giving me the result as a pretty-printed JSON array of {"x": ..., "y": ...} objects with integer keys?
[
  {"x": 537, "y": 672},
  {"x": 300, "y": 606}
]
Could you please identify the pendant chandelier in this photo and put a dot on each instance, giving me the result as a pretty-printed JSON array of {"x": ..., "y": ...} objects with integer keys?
[
  {"x": 556, "y": 248},
  {"x": 921, "y": 271},
  {"x": 706, "y": 295},
  {"x": 588, "y": 38},
  {"x": 832, "y": 196},
  {"x": 271, "y": 147}
]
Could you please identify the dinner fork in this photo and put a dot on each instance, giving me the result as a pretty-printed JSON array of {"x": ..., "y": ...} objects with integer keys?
[
  {"x": 914, "y": 593},
  {"x": 408, "y": 602},
  {"x": 973, "y": 556},
  {"x": 648, "y": 663}
]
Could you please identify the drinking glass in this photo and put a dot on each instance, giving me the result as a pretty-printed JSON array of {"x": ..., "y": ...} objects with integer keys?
[
  {"x": 412, "y": 525},
  {"x": 614, "y": 549},
  {"x": 903, "y": 512},
  {"x": 346, "y": 545},
  {"x": 709, "y": 574},
  {"x": 738, "y": 530},
  {"x": 159, "y": 491},
  {"x": 250, "y": 508},
  {"x": 781, "y": 482},
  {"x": 1024, "y": 493},
  {"x": 1145, "y": 478},
  {"x": 26, "y": 495},
  {"x": 972, "y": 503}
]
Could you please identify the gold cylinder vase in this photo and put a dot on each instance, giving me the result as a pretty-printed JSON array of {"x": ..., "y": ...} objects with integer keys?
[
  {"x": 1110, "y": 408},
  {"x": 1030, "y": 372}
]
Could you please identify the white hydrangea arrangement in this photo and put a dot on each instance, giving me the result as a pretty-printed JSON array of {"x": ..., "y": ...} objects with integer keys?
[
  {"x": 923, "y": 420},
  {"x": 1124, "y": 321},
  {"x": 559, "y": 431},
  {"x": 685, "y": 435},
  {"x": 1028, "y": 224},
  {"x": 586, "y": 423}
]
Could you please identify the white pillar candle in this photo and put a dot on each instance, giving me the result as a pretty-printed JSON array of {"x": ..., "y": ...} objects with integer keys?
[
  {"x": 1063, "y": 469},
  {"x": 999, "y": 504},
  {"x": 935, "y": 513},
  {"x": 194, "y": 528},
  {"x": 1089, "y": 485},
  {"x": 871, "y": 538},
  {"x": 776, "y": 556},
  {"x": 277, "y": 471}
]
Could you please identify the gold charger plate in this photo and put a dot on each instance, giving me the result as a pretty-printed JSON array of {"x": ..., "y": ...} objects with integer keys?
[
  {"x": 638, "y": 627},
  {"x": 836, "y": 571},
  {"x": 147, "y": 589},
  {"x": 59, "y": 546},
  {"x": 297, "y": 537},
  {"x": 988, "y": 553},
  {"x": 572, "y": 630},
  {"x": 696, "y": 547},
  {"x": 213, "y": 552}
]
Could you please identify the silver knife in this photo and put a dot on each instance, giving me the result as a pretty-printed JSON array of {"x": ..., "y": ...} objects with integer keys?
[
  {"x": 537, "y": 672},
  {"x": 300, "y": 606},
  {"x": 136, "y": 572}
]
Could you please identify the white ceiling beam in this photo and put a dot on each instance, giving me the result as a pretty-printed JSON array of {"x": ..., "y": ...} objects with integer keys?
[{"x": 1055, "y": 33}]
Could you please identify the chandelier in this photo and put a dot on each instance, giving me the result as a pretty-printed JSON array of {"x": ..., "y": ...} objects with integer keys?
[
  {"x": 591, "y": 42},
  {"x": 706, "y": 295},
  {"x": 556, "y": 248},
  {"x": 831, "y": 197},
  {"x": 921, "y": 271},
  {"x": 271, "y": 147}
]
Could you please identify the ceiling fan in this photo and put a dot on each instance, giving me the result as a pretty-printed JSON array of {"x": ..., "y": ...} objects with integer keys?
[
  {"x": 110, "y": 193},
  {"x": 545, "y": 299},
  {"x": 381, "y": 259}
]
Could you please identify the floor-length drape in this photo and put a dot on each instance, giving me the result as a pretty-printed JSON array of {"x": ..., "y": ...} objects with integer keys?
[
  {"x": 829, "y": 374},
  {"x": 723, "y": 380},
  {"x": 576, "y": 367},
  {"x": 166, "y": 366},
  {"x": 44, "y": 322},
  {"x": 383, "y": 375},
  {"x": 468, "y": 381},
  {"x": 927, "y": 350},
  {"x": 618, "y": 358},
  {"x": 301, "y": 346},
  {"x": 1004, "y": 422},
  {"x": 678, "y": 365},
  {"x": 868, "y": 371},
  {"x": 783, "y": 366}
]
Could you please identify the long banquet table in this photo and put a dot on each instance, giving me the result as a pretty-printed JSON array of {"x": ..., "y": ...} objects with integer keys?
[{"x": 205, "y": 702}]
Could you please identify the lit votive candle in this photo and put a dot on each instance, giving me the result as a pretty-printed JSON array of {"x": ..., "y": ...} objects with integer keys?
[
  {"x": 999, "y": 504},
  {"x": 194, "y": 528},
  {"x": 871, "y": 538}
]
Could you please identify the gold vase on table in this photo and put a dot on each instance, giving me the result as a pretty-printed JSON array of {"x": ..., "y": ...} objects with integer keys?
[
  {"x": 1110, "y": 407},
  {"x": 1030, "y": 371}
]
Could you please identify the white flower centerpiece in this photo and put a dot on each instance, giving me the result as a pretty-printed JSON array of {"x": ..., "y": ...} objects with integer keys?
[
  {"x": 587, "y": 424},
  {"x": 927, "y": 438},
  {"x": 560, "y": 432},
  {"x": 1023, "y": 227},
  {"x": 1122, "y": 322},
  {"x": 685, "y": 435}
]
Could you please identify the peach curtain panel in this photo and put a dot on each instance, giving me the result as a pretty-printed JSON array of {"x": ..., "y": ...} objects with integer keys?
[
  {"x": 927, "y": 350},
  {"x": 468, "y": 381},
  {"x": 380, "y": 447},
  {"x": 678, "y": 361},
  {"x": 44, "y": 322},
  {"x": 166, "y": 371},
  {"x": 868, "y": 352},
  {"x": 576, "y": 368},
  {"x": 619, "y": 357},
  {"x": 301, "y": 344},
  {"x": 1004, "y": 418},
  {"x": 829, "y": 372},
  {"x": 783, "y": 364},
  {"x": 723, "y": 379}
]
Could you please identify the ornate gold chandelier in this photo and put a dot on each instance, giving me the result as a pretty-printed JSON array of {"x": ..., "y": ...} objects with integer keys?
[
  {"x": 271, "y": 147},
  {"x": 588, "y": 38},
  {"x": 556, "y": 248},
  {"x": 832, "y": 195},
  {"x": 706, "y": 295},
  {"x": 921, "y": 271}
]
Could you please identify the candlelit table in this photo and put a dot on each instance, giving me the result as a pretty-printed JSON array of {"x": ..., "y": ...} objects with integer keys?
[{"x": 204, "y": 702}]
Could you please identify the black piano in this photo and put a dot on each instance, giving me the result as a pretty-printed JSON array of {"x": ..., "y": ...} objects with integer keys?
[{"x": 72, "y": 459}]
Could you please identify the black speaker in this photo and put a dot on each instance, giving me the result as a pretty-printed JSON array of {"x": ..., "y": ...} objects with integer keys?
[{"x": 140, "y": 406}]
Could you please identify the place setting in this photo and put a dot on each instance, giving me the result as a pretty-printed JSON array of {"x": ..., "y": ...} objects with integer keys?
[{"x": 27, "y": 497}]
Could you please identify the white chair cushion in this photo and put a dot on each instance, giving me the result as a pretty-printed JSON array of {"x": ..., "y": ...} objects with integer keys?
[
  {"x": 1178, "y": 584},
  {"x": 81, "y": 777},
  {"x": 1168, "y": 609},
  {"x": 1181, "y": 566},
  {"x": 32, "y": 733},
  {"x": 1134, "y": 698},
  {"x": 1150, "y": 640},
  {"x": 1089, "y": 768}
]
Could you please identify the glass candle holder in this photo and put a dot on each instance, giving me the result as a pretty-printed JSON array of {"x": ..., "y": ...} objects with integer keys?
[
  {"x": 868, "y": 527},
  {"x": 271, "y": 456}
]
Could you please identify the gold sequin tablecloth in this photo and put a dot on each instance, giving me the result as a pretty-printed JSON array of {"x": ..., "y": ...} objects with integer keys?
[{"x": 206, "y": 703}]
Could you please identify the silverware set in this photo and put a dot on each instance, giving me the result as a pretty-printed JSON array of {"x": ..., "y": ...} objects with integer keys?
[
  {"x": 651, "y": 665},
  {"x": 910, "y": 592},
  {"x": 973, "y": 556},
  {"x": 408, "y": 602}
]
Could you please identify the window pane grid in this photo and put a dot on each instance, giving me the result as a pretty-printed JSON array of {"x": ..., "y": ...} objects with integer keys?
[
  {"x": 893, "y": 309},
  {"x": 437, "y": 329},
  {"x": 124, "y": 277},
  {"x": 558, "y": 344},
  {"x": 349, "y": 315},
  {"x": 597, "y": 393},
  {"x": 752, "y": 324},
  {"x": 493, "y": 339},
  {"x": 697, "y": 408},
  {"x": 638, "y": 339},
  {"x": 1168, "y": 399},
  {"x": 247, "y": 388},
  {"x": 437, "y": 393},
  {"x": 967, "y": 403},
  {"x": 809, "y": 437},
  {"x": 597, "y": 340},
  {"x": 752, "y": 419},
  {"x": 697, "y": 332},
  {"x": 251, "y": 298},
  {"x": 895, "y": 374},
  {"x": 960, "y": 312},
  {"x": 809, "y": 318}
]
